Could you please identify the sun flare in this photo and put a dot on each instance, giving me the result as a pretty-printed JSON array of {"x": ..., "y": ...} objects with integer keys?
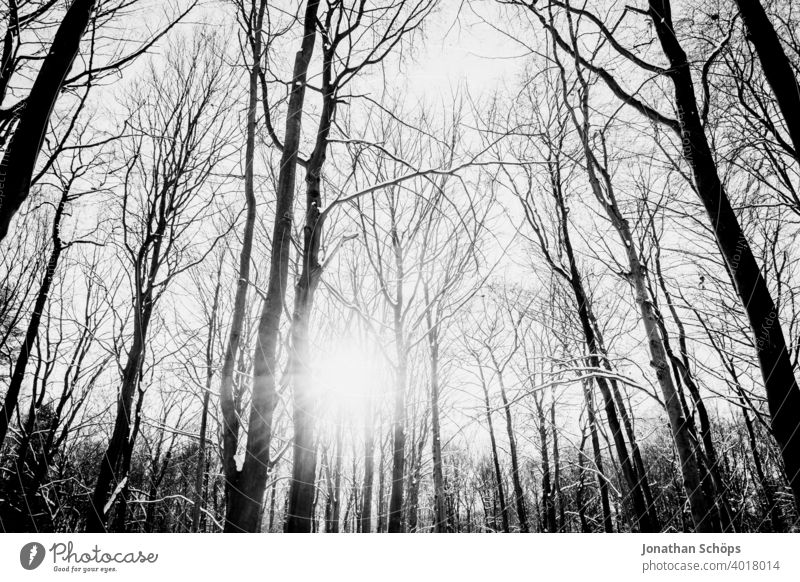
[{"x": 350, "y": 378}]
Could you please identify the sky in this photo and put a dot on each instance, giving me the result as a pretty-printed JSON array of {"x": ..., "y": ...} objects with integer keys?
[{"x": 462, "y": 50}]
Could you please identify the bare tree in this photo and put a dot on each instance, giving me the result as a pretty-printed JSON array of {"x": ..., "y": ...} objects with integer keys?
[{"x": 176, "y": 145}]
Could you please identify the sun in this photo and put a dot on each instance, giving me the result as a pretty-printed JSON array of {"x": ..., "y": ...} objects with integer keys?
[{"x": 349, "y": 378}]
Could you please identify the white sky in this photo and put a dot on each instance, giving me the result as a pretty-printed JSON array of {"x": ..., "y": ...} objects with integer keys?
[{"x": 462, "y": 50}]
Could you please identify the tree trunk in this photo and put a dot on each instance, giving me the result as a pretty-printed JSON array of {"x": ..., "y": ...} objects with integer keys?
[
  {"x": 627, "y": 422},
  {"x": 777, "y": 68},
  {"x": 575, "y": 280},
  {"x": 251, "y": 481},
  {"x": 19, "y": 160},
  {"x": 783, "y": 394},
  {"x": 548, "y": 501},
  {"x": 201, "y": 447},
  {"x": 18, "y": 375},
  {"x": 439, "y": 499},
  {"x": 300, "y": 365},
  {"x": 369, "y": 474},
  {"x": 519, "y": 494},
  {"x": 412, "y": 518},
  {"x": 381, "y": 486},
  {"x": 399, "y": 416},
  {"x": 398, "y": 440},
  {"x": 498, "y": 475},
  {"x": 712, "y": 479},
  {"x": 579, "y": 500},
  {"x": 557, "y": 493},
  {"x": 228, "y": 406},
  {"x": 112, "y": 467},
  {"x": 701, "y": 508},
  {"x": 602, "y": 483}
]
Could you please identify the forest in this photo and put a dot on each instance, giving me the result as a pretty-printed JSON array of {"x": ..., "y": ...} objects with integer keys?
[{"x": 400, "y": 266}]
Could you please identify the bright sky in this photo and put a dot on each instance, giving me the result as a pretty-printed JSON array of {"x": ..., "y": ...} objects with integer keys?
[{"x": 461, "y": 49}]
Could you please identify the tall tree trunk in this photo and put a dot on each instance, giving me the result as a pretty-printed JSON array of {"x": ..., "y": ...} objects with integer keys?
[
  {"x": 381, "y": 486},
  {"x": 401, "y": 381},
  {"x": 200, "y": 469},
  {"x": 228, "y": 405},
  {"x": 575, "y": 280},
  {"x": 548, "y": 501},
  {"x": 519, "y": 494},
  {"x": 498, "y": 474},
  {"x": 702, "y": 509},
  {"x": 19, "y": 159},
  {"x": 713, "y": 481},
  {"x": 439, "y": 499},
  {"x": 252, "y": 479},
  {"x": 18, "y": 375},
  {"x": 112, "y": 471},
  {"x": 579, "y": 499},
  {"x": 369, "y": 474},
  {"x": 627, "y": 422},
  {"x": 398, "y": 439},
  {"x": 335, "y": 482},
  {"x": 300, "y": 365},
  {"x": 120, "y": 519},
  {"x": 772, "y": 509},
  {"x": 272, "y": 496},
  {"x": 636, "y": 453},
  {"x": 783, "y": 394},
  {"x": 602, "y": 482},
  {"x": 557, "y": 493},
  {"x": 415, "y": 475},
  {"x": 777, "y": 68}
]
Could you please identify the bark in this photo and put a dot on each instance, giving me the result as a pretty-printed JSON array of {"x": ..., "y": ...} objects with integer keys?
[
  {"x": 602, "y": 482},
  {"x": 415, "y": 475},
  {"x": 272, "y": 495},
  {"x": 713, "y": 481},
  {"x": 381, "y": 497},
  {"x": 439, "y": 499},
  {"x": 579, "y": 501},
  {"x": 636, "y": 453},
  {"x": 627, "y": 422},
  {"x": 369, "y": 475},
  {"x": 113, "y": 466},
  {"x": 399, "y": 412},
  {"x": 304, "y": 467},
  {"x": 18, "y": 375},
  {"x": 783, "y": 394},
  {"x": 120, "y": 523},
  {"x": 398, "y": 442},
  {"x": 333, "y": 477},
  {"x": 701, "y": 509},
  {"x": 498, "y": 475},
  {"x": 548, "y": 501},
  {"x": 19, "y": 159},
  {"x": 772, "y": 509},
  {"x": 228, "y": 406},
  {"x": 575, "y": 280},
  {"x": 251, "y": 481},
  {"x": 519, "y": 494},
  {"x": 777, "y": 68},
  {"x": 201, "y": 447},
  {"x": 557, "y": 493},
  {"x": 365, "y": 518},
  {"x": 156, "y": 478}
]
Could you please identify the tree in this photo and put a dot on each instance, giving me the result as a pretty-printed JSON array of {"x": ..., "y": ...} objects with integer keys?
[
  {"x": 176, "y": 144},
  {"x": 783, "y": 393},
  {"x": 27, "y": 119},
  {"x": 777, "y": 67}
]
